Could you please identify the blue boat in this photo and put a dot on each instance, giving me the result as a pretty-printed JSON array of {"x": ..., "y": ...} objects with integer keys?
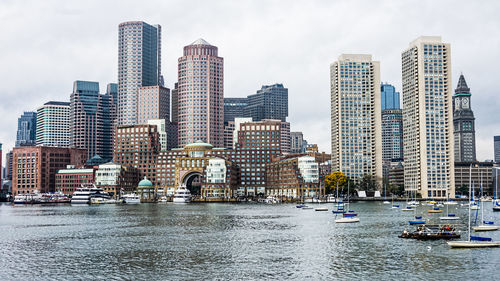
[
  {"x": 417, "y": 220},
  {"x": 479, "y": 238}
]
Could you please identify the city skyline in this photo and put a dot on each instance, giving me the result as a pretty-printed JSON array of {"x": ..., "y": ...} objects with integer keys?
[{"x": 93, "y": 55}]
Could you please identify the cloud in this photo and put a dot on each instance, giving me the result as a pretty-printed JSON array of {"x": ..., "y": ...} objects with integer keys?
[{"x": 46, "y": 45}]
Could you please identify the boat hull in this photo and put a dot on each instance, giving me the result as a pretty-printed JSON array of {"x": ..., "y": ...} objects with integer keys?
[
  {"x": 470, "y": 244},
  {"x": 347, "y": 220},
  {"x": 486, "y": 228},
  {"x": 449, "y": 218},
  {"x": 321, "y": 209}
]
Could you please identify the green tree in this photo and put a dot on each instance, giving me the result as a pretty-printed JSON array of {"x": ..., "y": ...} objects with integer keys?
[
  {"x": 368, "y": 183},
  {"x": 334, "y": 180}
]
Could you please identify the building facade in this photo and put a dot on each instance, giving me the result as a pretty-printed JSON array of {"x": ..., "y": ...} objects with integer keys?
[
  {"x": 356, "y": 117},
  {"x": 201, "y": 95},
  {"x": 52, "y": 126},
  {"x": 478, "y": 173},
  {"x": 116, "y": 179},
  {"x": 270, "y": 102},
  {"x": 34, "y": 168},
  {"x": 389, "y": 97},
  {"x": 162, "y": 129},
  {"x": 68, "y": 180},
  {"x": 233, "y": 108},
  {"x": 154, "y": 103},
  {"x": 139, "y": 64},
  {"x": 297, "y": 142},
  {"x": 464, "y": 132},
  {"x": 92, "y": 119},
  {"x": 26, "y": 129},
  {"x": 392, "y": 135},
  {"x": 428, "y": 118},
  {"x": 496, "y": 148}
]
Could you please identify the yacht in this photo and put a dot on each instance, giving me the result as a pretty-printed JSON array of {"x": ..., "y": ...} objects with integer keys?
[
  {"x": 83, "y": 194},
  {"x": 182, "y": 195},
  {"x": 131, "y": 198}
]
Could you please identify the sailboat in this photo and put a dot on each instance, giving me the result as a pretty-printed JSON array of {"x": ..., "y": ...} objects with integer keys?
[
  {"x": 340, "y": 204},
  {"x": 393, "y": 206},
  {"x": 496, "y": 200},
  {"x": 385, "y": 196},
  {"x": 348, "y": 217},
  {"x": 473, "y": 241},
  {"x": 485, "y": 225},
  {"x": 449, "y": 216}
]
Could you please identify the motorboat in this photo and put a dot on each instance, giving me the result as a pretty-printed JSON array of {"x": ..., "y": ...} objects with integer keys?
[
  {"x": 270, "y": 200},
  {"x": 83, "y": 194},
  {"x": 131, "y": 198},
  {"x": 182, "y": 195},
  {"x": 59, "y": 197},
  {"x": 162, "y": 199},
  {"x": 431, "y": 232},
  {"x": 347, "y": 219},
  {"x": 321, "y": 209},
  {"x": 435, "y": 210},
  {"x": 29, "y": 198}
]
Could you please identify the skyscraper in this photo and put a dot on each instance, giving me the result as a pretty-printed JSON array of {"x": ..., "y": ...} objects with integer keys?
[
  {"x": 201, "y": 95},
  {"x": 139, "y": 64},
  {"x": 297, "y": 142},
  {"x": 356, "y": 116},
  {"x": 234, "y": 107},
  {"x": 390, "y": 98},
  {"x": 92, "y": 117},
  {"x": 496, "y": 140},
  {"x": 392, "y": 135},
  {"x": 154, "y": 103},
  {"x": 428, "y": 118},
  {"x": 175, "y": 104},
  {"x": 463, "y": 124},
  {"x": 270, "y": 102},
  {"x": 52, "y": 126},
  {"x": 26, "y": 129}
]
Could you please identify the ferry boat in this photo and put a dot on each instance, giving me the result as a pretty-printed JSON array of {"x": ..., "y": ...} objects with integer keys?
[
  {"x": 28, "y": 198},
  {"x": 59, "y": 198},
  {"x": 131, "y": 198},
  {"x": 182, "y": 195},
  {"x": 431, "y": 232},
  {"x": 83, "y": 194}
]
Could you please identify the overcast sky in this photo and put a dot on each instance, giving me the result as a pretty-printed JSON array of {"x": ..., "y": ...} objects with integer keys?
[{"x": 46, "y": 45}]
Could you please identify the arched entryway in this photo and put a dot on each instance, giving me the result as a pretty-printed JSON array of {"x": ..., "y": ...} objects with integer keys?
[{"x": 192, "y": 181}]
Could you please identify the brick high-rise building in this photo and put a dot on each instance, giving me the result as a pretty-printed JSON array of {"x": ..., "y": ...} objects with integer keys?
[
  {"x": 139, "y": 64},
  {"x": 154, "y": 103},
  {"x": 201, "y": 95},
  {"x": 52, "y": 126},
  {"x": 428, "y": 118},
  {"x": 356, "y": 117},
  {"x": 34, "y": 168}
]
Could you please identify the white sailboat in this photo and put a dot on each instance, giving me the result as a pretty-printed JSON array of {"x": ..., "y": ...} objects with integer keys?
[
  {"x": 449, "y": 216},
  {"x": 473, "y": 241},
  {"x": 385, "y": 196},
  {"x": 485, "y": 225},
  {"x": 347, "y": 217}
]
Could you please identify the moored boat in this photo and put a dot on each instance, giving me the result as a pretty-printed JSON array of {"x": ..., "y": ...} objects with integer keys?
[
  {"x": 182, "y": 195},
  {"x": 131, "y": 198},
  {"x": 431, "y": 232}
]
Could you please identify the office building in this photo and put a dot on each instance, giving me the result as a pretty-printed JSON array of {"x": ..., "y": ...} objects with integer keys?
[
  {"x": 52, "y": 126},
  {"x": 463, "y": 124},
  {"x": 8, "y": 166},
  {"x": 270, "y": 102},
  {"x": 392, "y": 135},
  {"x": 34, "y": 168},
  {"x": 229, "y": 128},
  {"x": 139, "y": 64},
  {"x": 71, "y": 178},
  {"x": 154, "y": 103},
  {"x": 162, "y": 129},
  {"x": 297, "y": 142},
  {"x": 26, "y": 129},
  {"x": 92, "y": 119},
  {"x": 389, "y": 97},
  {"x": 428, "y": 118},
  {"x": 175, "y": 104},
  {"x": 496, "y": 148},
  {"x": 356, "y": 116},
  {"x": 201, "y": 95},
  {"x": 233, "y": 108}
]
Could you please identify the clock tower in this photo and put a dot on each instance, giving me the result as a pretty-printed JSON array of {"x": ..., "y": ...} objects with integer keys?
[{"x": 463, "y": 124}]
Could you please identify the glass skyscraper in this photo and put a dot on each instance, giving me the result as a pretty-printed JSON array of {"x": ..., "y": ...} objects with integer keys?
[
  {"x": 139, "y": 64},
  {"x": 26, "y": 129},
  {"x": 390, "y": 98},
  {"x": 270, "y": 102}
]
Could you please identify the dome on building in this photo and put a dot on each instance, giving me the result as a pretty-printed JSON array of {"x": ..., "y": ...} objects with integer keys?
[
  {"x": 200, "y": 41},
  {"x": 145, "y": 183},
  {"x": 200, "y": 144}
]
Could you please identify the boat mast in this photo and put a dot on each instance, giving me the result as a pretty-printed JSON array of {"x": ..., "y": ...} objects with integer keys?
[
  {"x": 482, "y": 203},
  {"x": 470, "y": 186}
]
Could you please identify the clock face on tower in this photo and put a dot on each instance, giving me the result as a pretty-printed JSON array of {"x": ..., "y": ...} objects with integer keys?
[{"x": 465, "y": 103}]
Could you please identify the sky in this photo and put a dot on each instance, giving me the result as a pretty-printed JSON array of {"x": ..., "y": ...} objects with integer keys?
[{"x": 46, "y": 45}]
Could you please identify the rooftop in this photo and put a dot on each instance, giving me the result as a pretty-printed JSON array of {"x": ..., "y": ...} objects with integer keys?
[{"x": 200, "y": 41}]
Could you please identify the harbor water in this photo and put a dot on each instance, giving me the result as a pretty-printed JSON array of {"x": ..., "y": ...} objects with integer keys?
[{"x": 230, "y": 242}]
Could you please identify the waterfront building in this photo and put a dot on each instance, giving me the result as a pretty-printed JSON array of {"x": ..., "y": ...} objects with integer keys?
[
  {"x": 496, "y": 148},
  {"x": 389, "y": 97},
  {"x": 463, "y": 124},
  {"x": 139, "y": 64},
  {"x": 92, "y": 117},
  {"x": 356, "y": 117},
  {"x": 161, "y": 128},
  {"x": 481, "y": 172},
  {"x": 116, "y": 179},
  {"x": 201, "y": 95},
  {"x": 26, "y": 129},
  {"x": 270, "y": 102},
  {"x": 52, "y": 126},
  {"x": 71, "y": 178},
  {"x": 233, "y": 108},
  {"x": 396, "y": 174},
  {"x": 137, "y": 146},
  {"x": 154, "y": 103},
  {"x": 294, "y": 177},
  {"x": 297, "y": 142},
  {"x": 428, "y": 118},
  {"x": 34, "y": 168}
]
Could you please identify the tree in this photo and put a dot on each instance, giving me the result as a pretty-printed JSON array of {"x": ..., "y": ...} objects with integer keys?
[
  {"x": 334, "y": 180},
  {"x": 368, "y": 183}
]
